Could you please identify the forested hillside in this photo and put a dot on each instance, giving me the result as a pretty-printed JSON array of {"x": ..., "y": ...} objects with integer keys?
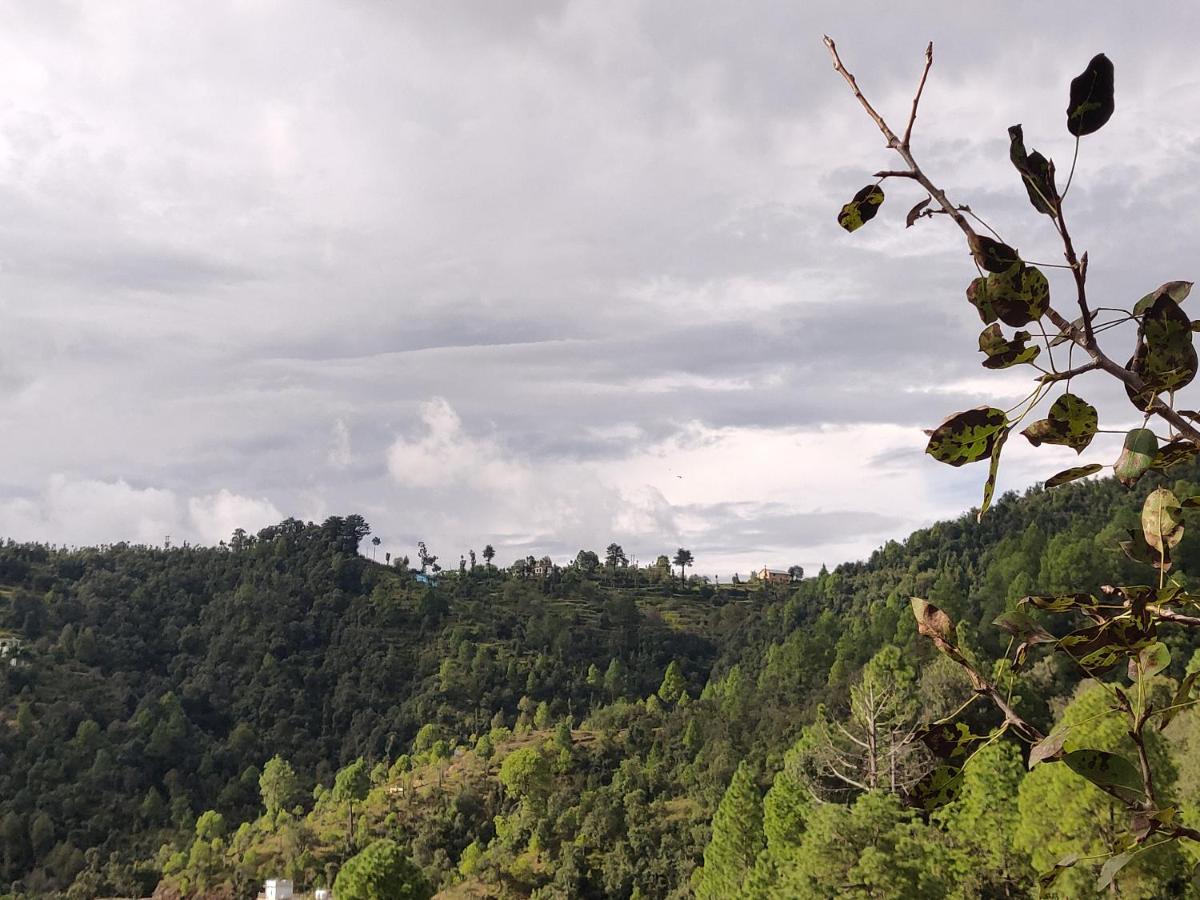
[{"x": 194, "y": 720}]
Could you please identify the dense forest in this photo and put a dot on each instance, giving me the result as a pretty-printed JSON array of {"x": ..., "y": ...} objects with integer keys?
[{"x": 190, "y": 721}]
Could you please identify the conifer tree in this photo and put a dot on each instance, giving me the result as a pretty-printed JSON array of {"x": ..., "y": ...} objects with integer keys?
[
  {"x": 673, "y": 684},
  {"x": 737, "y": 838}
]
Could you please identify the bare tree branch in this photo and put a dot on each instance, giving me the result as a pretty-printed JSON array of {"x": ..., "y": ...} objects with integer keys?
[{"x": 912, "y": 118}]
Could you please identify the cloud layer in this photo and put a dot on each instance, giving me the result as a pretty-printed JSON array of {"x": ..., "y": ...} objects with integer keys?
[{"x": 545, "y": 278}]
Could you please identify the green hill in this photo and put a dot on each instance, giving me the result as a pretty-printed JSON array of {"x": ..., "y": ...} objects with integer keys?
[{"x": 153, "y": 686}]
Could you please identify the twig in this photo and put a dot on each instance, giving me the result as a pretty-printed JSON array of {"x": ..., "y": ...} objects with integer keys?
[
  {"x": 912, "y": 118},
  {"x": 1070, "y": 373},
  {"x": 1168, "y": 615}
]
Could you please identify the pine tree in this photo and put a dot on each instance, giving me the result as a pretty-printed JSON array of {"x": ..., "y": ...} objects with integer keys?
[
  {"x": 737, "y": 838},
  {"x": 673, "y": 684}
]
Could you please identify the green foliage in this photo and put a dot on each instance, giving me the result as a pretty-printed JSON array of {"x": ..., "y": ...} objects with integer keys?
[
  {"x": 525, "y": 774},
  {"x": 352, "y": 782},
  {"x": 381, "y": 872},
  {"x": 673, "y": 684},
  {"x": 1085, "y": 821},
  {"x": 737, "y": 838},
  {"x": 875, "y": 848},
  {"x": 278, "y": 786}
]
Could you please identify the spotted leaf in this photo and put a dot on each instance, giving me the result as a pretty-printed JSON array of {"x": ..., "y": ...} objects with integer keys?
[
  {"x": 931, "y": 621},
  {"x": 1162, "y": 519},
  {"x": 1176, "y": 290},
  {"x": 1071, "y": 421},
  {"x": 967, "y": 437},
  {"x": 1107, "y": 771},
  {"x": 1002, "y": 353},
  {"x": 862, "y": 209},
  {"x": 1073, "y": 474},
  {"x": 989, "y": 483},
  {"x": 991, "y": 255},
  {"x": 1019, "y": 294},
  {"x": 940, "y": 786}
]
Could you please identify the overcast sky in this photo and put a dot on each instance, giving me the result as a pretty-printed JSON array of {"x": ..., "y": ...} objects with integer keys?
[{"x": 543, "y": 275}]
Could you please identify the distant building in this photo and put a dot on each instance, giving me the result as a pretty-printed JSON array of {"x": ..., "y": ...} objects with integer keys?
[
  {"x": 10, "y": 647},
  {"x": 321, "y": 894},
  {"x": 277, "y": 889},
  {"x": 543, "y": 568},
  {"x": 773, "y": 576}
]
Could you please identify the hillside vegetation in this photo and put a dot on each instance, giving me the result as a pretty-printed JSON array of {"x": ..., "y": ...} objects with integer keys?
[{"x": 193, "y": 720}]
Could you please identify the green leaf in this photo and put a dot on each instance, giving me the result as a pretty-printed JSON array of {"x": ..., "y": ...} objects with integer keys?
[
  {"x": 1162, "y": 519},
  {"x": 1049, "y": 748},
  {"x": 1150, "y": 661},
  {"x": 931, "y": 621},
  {"x": 1021, "y": 625},
  {"x": 1073, "y": 474},
  {"x": 1176, "y": 290},
  {"x": 1111, "y": 867},
  {"x": 977, "y": 293},
  {"x": 1165, "y": 357},
  {"x": 1139, "y": 551},
  {"x": 1098, "y": 648},
  {"x": 989, "y": 485},
  {"x": 1071, "y": 421},
  {"x": 1092, "y": 101},
  {"x": 1060, "y": 602},
  {"x": 1036, "y": 172},
  {"x": 939, "y": 787},
  {"x": 952, "y": 741},
  {"x": 1174, "y": 453},
  {"x": 1171, "y": 353},
  {"x": 1019, "y": 294},
  {"x": 1136, "y": 456},
  {"x": 1046, "y": 879},
  {"x": 990, "y": 255},
  {"x": 1107, "y": 771},
  {"x": 1182, "y": 695},
  {"x": 1002, "y": 353},
  {"x": 862, "y": 209},
  {"x": 967, "y": 437}
]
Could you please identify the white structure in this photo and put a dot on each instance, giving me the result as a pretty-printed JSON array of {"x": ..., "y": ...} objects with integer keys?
[
  {"x": 321, "y": 894},
  {"x": 10, "y": 648},
  {"x": 278, "y": 889}
]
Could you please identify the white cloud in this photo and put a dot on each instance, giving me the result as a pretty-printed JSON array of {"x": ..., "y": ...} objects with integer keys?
[
  {"x": 445, "y": 455},
  {"x": 88, "y": 512},
  {"x": 85, "y": 511},
  {"x": 216, "y": 516}
]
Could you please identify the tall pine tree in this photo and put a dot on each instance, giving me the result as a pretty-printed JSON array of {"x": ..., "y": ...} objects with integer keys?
[{"x": 737, "y": 838}]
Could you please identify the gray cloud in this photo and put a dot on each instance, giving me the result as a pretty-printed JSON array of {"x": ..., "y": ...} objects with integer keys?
[{"x": 246, "y": 245}]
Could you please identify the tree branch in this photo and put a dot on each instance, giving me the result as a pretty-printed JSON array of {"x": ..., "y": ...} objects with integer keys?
[
  {"x": 1084, "y": 337},
  {"x": 912, "y": 118},
  {"x": 1168, "y": 615},
  {"x": 1070, "y": 373}
]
